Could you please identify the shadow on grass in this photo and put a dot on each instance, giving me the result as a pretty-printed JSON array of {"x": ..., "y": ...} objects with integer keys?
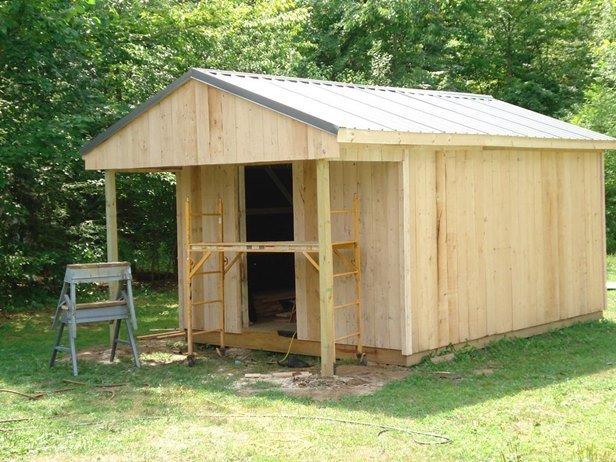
[{"x": 505, "y": 368}]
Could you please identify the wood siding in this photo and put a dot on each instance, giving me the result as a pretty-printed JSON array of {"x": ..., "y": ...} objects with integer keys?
[
  {"x": 204, "y": 185},
  {"x": 503, "y": 240},
  {"x": 379, "y": 187},
  {"x": 200, "y": 125},
  {"x": 457, "y": 244}
]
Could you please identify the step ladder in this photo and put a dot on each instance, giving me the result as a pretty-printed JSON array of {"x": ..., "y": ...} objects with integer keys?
[
  {"x": 117, "y": 309},
  {"x": 192, "y": 270}
]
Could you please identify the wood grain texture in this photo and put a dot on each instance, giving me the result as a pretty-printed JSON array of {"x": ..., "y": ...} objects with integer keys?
[
  {"x": 378, "y": 186},
  {"x": 502, "y": 240},
  {"x": 201, "y": 125},
  {"x": 204, "y": 185},
  {"x": 326, "y": 270}
]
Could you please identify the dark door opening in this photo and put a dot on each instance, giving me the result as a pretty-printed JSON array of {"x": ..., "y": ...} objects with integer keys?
[{"x": 269, "y": 217}]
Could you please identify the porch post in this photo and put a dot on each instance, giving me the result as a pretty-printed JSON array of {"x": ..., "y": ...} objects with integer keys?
[
  {"x": 326, "y": 272},
  {"x": 111, "y": 225},
  {"x": 111, "y": 218}
]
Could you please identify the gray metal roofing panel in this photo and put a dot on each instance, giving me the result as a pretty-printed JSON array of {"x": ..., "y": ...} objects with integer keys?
[
  {"x": 332, "y": 105},
  {"x": 366, "y": 103},
  {"x": 575, "y": 131},
  {"x": 290, "y": 96},
  {"x": 371, "y": 117},
  {"x": 407, "y": 110},
  {"x": 259, "y": 96},
  {"x": 435, "y": 112},
  {"x": 523, "y": 126}
]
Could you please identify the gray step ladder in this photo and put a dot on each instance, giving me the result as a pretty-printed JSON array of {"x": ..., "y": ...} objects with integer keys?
[{"x": 121, "y": 308}]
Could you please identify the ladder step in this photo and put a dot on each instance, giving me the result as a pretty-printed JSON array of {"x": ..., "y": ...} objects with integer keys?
[
  {"x": 354, "y": 334},
  {"x": 343, "y": 211},
  {"x": 63, "y": 349},
  {"x": 205, "y": 214},
  {"x": 125, "y": 342},
  {"x": 350, "y": 273},
  {"x": 206, "y": 302},
  {"x": 346, "y": 305},
  {"x": 205, "y": 273}
]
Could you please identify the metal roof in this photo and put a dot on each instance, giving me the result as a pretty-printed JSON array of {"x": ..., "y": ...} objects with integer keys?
[{"x": 333, "y": 105}]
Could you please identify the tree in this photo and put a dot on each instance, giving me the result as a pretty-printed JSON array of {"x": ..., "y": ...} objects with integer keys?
[
  {"x": 598, "y": 111},
  {"x": 70, "y": 68}
]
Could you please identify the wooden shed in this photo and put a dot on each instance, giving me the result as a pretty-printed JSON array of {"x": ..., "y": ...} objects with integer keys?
[{"x": 396, "y": 221}]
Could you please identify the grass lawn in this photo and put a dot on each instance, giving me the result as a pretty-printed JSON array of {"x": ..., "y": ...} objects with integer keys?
[{"x": 551, "y": 397}]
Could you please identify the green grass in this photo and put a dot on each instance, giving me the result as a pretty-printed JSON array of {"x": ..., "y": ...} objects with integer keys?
[
  {"x": 551, "y": 397},
  {"x": 611, "y": 267}
]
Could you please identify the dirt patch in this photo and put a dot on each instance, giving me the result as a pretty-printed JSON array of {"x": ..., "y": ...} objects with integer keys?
[
  {"x": 483, "y": 371},
  {"x": 352, "y": 380},
  {"x": 151, "y": 353}
]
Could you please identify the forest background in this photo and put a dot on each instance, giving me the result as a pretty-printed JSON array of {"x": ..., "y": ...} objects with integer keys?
[{"x": 70, "y": 68}]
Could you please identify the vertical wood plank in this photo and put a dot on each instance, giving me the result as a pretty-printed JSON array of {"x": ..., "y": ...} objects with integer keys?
[
  {"x": 465, "y": 240},
  {"x": 550, "y": 232},
  {"x": 368, "y": 228},
  {"x": 243, "y": 263},
  {"x": 565, "y": 238},
  {"x": 184, "y": 124},
  {"x": 155, "y": 134},
  {"x": 424, "y": 268},
  {"x": 478, "y": 315},
  {"x": 381, "y": 253},
  {"x": 409, "y": 253},
  {"x": 305, "y": 229},
  {"x": 202, "y": 112},
  {"x": 180, "y": 196},
  {"x": 218, "y": 122},
  {"x": 326, "y": 278},
  {"x": 441, "y": 236},
  {"x": 111, "y": 228},
  {"x": 111, "y": 216},
  {"x": 453, "y": 227}
]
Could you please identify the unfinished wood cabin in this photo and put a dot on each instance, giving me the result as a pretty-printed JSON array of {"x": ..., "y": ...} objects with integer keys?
[{"x": 387, "y": 222}]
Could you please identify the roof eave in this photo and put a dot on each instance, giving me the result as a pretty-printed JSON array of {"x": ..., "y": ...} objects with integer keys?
[{"x": 358, "y": 136}]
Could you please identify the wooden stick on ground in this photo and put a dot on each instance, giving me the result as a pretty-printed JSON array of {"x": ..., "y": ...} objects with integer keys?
[
  {"x": 37, "y": 396},
  {"x": 23, "y": 419}
]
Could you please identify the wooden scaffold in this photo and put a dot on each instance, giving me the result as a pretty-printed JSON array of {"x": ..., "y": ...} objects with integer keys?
[{"x": 198, "y": 253}]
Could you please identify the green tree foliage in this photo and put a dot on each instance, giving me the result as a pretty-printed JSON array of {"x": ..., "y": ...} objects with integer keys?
[
  {"x": 70, "y": 68},
  {"x": 598, "y": 111},
  {"x": 534, "y": 53}
]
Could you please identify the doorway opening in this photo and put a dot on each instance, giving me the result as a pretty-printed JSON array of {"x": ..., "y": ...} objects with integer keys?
[{"x": 271, "y": 276}]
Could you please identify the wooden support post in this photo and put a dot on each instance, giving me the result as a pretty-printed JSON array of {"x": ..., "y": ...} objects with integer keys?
[
  {"x": 326, "y": 270},
  {"x": 407, "y": 234},
  {"x": 111, "y": 222},
  {"x": 188, "y": 306},
  {"x": 221, "y": 279}
]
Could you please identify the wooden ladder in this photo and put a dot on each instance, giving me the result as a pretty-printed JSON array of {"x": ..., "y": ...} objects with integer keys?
[
  {"x": 353, "y": 269},
  {"x": 193, "y": 268}
]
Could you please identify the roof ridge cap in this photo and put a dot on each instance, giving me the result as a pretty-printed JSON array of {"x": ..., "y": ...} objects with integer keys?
[{"x": 446, "y": 93}]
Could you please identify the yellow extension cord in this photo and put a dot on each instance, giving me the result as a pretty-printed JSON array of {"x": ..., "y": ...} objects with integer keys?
[{"x": 289, "y": 349}]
